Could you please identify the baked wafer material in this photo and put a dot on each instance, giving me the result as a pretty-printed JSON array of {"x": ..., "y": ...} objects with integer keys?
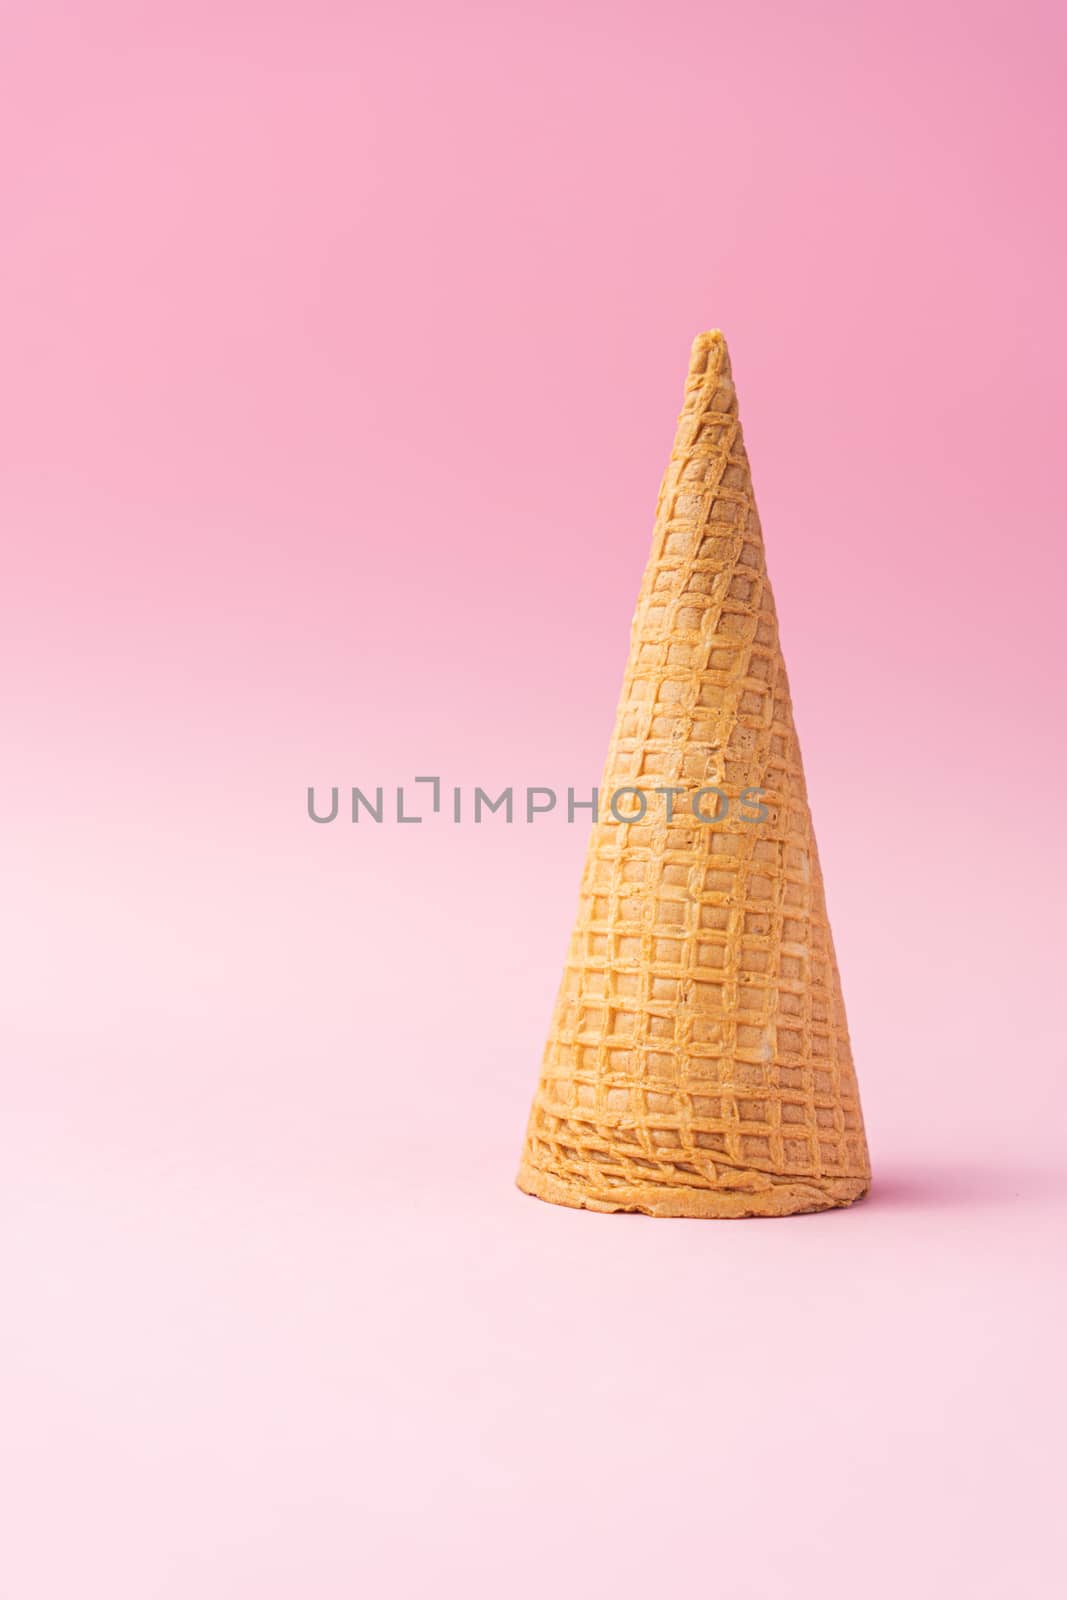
[{"x": 698, "y": 1062}]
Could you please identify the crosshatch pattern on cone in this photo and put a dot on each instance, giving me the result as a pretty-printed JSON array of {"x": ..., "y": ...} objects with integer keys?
[{"x": 698, "y": 1062}]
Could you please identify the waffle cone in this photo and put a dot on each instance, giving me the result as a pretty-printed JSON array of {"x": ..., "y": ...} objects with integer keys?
[{"x": 698, "y": 1062}]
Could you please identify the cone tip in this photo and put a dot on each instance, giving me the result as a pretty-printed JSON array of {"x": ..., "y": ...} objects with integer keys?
[{"x": 709, "y": 357}]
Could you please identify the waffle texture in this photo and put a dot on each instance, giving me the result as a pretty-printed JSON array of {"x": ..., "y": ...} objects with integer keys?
[{"x": 698, "y": 1062}]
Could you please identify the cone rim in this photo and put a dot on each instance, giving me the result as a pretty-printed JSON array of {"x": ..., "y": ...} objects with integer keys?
[{"x": 788, "y": 1198}]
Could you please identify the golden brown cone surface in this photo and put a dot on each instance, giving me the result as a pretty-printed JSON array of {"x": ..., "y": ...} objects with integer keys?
[{"x": 698, "y": 1062}]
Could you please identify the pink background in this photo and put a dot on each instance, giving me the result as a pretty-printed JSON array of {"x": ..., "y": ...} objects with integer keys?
[{"x": 342, "y": 349}]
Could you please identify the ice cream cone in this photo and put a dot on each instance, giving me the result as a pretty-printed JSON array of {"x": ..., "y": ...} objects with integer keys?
[{"x": 698, "y": 1062}]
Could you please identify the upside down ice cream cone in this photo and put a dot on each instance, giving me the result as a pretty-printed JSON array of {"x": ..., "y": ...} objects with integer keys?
[{"x": 698, "y": 1062}]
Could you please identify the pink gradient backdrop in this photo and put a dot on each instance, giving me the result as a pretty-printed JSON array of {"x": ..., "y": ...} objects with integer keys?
[{"x": 342, "y": 350}]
